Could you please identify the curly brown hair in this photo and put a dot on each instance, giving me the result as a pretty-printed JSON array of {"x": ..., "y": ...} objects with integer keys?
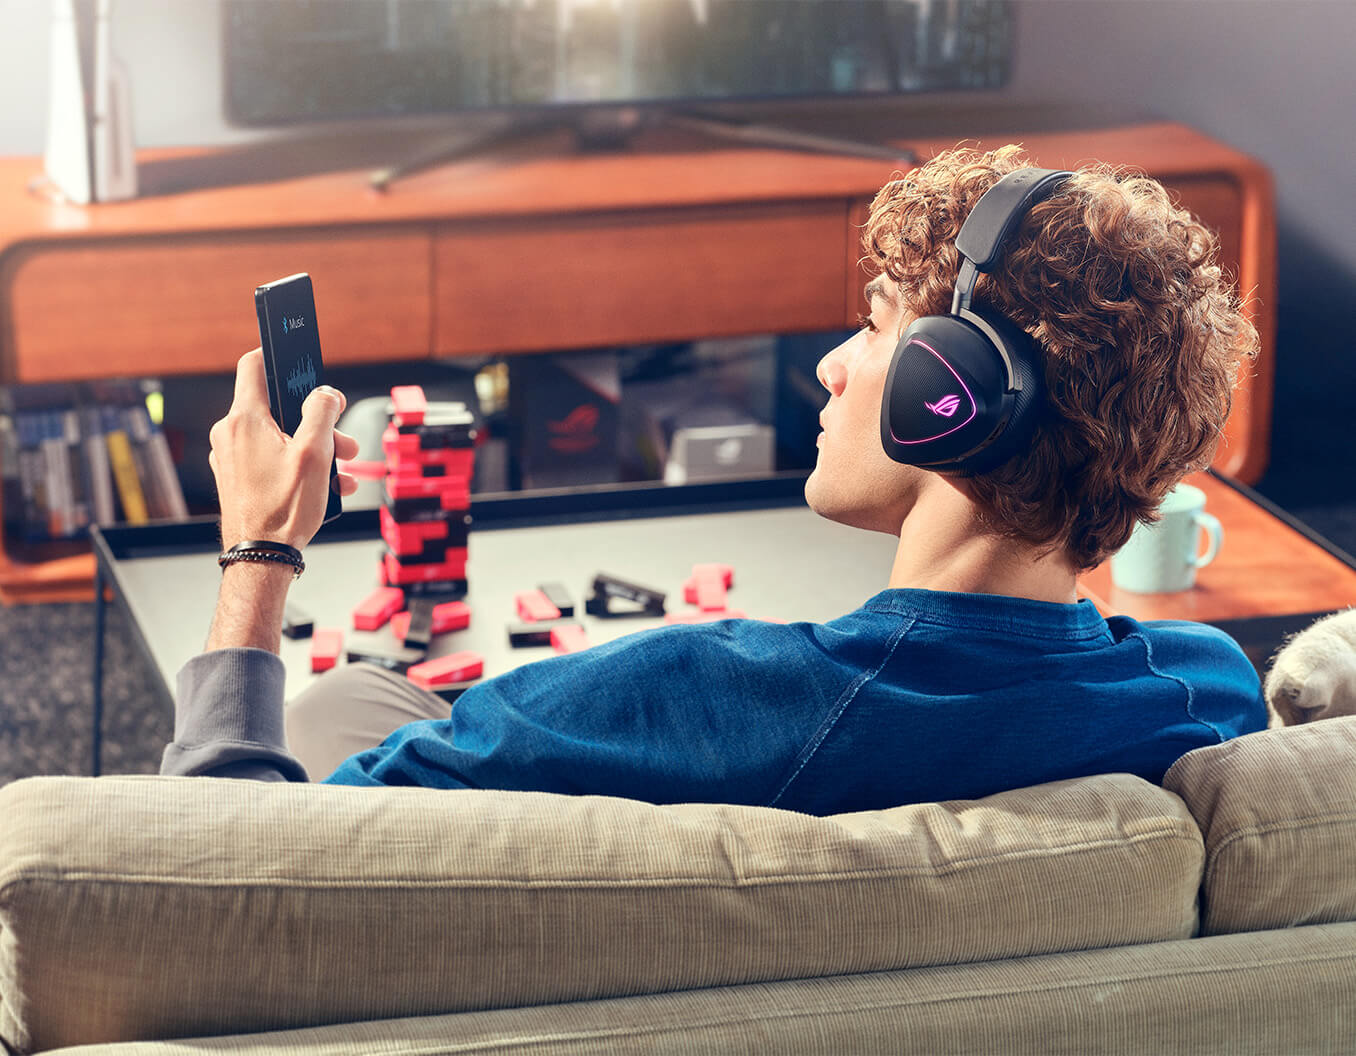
[{"x": 1141, "y": 331}]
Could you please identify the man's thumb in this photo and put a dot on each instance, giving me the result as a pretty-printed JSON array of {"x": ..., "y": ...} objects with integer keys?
[{"x": 319, "y": 413}]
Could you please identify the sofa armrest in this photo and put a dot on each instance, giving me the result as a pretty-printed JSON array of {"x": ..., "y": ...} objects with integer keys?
[{"x": 1278, "y": 810}]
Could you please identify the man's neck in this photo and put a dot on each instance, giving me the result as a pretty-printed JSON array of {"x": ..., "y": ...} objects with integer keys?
[{"x": 943, "y": 546}]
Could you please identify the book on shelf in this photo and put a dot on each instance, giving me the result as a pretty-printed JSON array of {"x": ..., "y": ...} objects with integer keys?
[
  {"x": 122, "y": 458},
  {"x": 69, "y": 421},
  {"x": 155, "y": 465},
  {"x": 73, "y": 457},
  {"x": 32, "y": 523},
  {"x": 97, "y": 467}
]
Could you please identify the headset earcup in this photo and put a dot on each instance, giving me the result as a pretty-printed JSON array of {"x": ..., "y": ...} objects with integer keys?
[
  {"x": 1027, "y": 391},
  {"x": 964, "y": 391},
  {"x": 945, "y": 393}
]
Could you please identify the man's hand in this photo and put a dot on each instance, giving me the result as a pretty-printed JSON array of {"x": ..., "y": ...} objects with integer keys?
[{"x": 271, "y": 485}]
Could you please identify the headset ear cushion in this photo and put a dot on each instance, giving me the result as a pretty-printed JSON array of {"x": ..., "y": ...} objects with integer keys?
[
  {"x": 1028, "y": 371},
  {"x": 1027, "y": 404}
]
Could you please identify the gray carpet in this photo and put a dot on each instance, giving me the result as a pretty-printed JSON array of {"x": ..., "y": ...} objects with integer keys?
[{"x": 46, "y": 694}]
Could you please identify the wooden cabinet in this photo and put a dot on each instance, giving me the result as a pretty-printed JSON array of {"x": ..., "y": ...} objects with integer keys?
[
  {"x": 520, "y": 253},
  {"x": 538, "y": 283},
  {"x": 176, "y": 306}
]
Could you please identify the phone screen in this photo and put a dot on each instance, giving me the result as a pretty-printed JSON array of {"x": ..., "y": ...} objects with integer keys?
[{"x": 290, "y": 338}]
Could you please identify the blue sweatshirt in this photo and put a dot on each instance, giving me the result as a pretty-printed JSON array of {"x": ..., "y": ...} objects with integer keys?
[{"x": 918, "y": 696}]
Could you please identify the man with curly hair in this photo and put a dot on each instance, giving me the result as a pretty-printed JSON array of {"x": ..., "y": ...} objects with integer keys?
[{"x": 975, "y": 670}]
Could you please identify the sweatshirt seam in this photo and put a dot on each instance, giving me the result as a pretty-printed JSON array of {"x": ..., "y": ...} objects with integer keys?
[
  {"x": 1011, "y": 631},
  {"x": 1220, "y": 736},
  {"x": 999, "y": 626},
  {"x": 840, "y": 706}
]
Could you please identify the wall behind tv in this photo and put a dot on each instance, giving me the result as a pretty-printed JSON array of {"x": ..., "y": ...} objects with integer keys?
[
  {"x": 1258, "y": 74},
  {"x": 171, "y": 47}
]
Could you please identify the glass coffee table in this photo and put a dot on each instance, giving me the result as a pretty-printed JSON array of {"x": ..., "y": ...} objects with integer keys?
[
  {"x": 1273, "y": 575},
  {"x": 788, "y": 564}
]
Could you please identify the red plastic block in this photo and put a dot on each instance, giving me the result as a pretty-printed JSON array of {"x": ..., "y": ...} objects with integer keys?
[
  {"x": 708, "y": 589},
  {"x": 452, "y": 493},
  {"x": 431, "y": 508},
  {"x": 457, "y": 667},
  {"x": 450, "y": 476},
  {"x": 726, "y": 573},
  {"x": 362, "y": 470},
  {"x": 449, "y": 616},
  {"x": 706, "y": 592},
  {"x": 705, "y": 617},
  {"x": 417, "y": 440},
  {"x": 409, "y": 404},
  {"x": 533, "y": 606},
  {"x": 326, "y": 644},
  {"x": 569, "y": 638},
  {"x": 378, "y": 607},
  {"x": 409, "y": 537},
  {"x": 449, "y": 461},
  {"x": 453, "y": 568},
  {"x": 415, "y": 541}
]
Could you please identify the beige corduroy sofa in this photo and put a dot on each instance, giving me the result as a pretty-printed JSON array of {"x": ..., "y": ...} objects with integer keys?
[{"x": 1216, "y": 914}]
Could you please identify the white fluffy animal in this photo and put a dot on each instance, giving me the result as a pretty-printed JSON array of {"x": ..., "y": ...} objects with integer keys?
[{"x": 1313, "y": 676}]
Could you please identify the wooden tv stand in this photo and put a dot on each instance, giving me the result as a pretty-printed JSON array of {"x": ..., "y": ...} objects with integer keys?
[{"x": 523, "y": 252}]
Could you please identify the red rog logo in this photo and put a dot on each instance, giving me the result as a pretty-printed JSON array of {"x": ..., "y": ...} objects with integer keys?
[
  {"x": 946, "y": 406},
  {"x": 575, "y": 432}
]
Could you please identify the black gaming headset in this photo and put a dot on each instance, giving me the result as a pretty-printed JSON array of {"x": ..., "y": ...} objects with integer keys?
[{"x": 964, "y": 390}]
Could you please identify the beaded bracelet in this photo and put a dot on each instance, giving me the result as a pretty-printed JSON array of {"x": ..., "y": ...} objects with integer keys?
[{"x": 264, "y": 550}]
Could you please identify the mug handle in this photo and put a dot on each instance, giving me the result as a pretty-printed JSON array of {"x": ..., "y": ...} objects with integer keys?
[{"x": 1214, "y": 532}]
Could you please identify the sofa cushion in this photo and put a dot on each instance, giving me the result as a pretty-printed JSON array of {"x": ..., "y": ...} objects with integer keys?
[
  {"x": 1278, "y": 809},
  {"x": 160, "y": 907}
]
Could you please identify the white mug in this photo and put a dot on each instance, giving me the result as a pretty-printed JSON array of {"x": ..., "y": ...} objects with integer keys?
[{"x": 1164, "y": 556}]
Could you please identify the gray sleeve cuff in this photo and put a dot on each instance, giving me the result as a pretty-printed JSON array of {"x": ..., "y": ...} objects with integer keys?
[{"x": 228, "y": 718}]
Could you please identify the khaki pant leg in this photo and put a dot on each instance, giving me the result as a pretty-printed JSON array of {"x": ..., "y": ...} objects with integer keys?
[{"x": 351, "y": 708}]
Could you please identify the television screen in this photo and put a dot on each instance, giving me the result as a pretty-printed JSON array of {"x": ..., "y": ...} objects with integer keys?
[{"x": 308, "y": 60}]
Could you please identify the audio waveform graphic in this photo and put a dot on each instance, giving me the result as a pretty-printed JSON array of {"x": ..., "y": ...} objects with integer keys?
[{"x": 301, "y": 378}]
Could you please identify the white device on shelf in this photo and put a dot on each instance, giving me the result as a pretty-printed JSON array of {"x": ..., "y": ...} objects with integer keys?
[
  {"x": 718, "y": 452},
  {"x": 89, "y": 155}
]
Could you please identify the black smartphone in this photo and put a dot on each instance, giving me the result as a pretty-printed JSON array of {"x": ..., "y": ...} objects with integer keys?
[{"x": 291, "y": 342}]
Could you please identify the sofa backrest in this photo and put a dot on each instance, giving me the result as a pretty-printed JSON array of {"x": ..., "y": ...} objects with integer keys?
[
  {"x": 1278, "y": 809},
  {"x": 160, "y": 907}
]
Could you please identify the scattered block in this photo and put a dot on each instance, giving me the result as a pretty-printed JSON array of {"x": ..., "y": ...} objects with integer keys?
[
  {"x": 399, "y": 661},
  {"x": 297, "y": 622},
  {"x": 534, "y": 606},
  {"x": 447, "y": 616},
  {"x": 378, "y": 607},
  {"x": 568, "y": 638},
  {"x": 558, "y": 596},
  {"x": 456, "y": 667},
  {"x": 326, "y": 644},
  {"x": 539, "y": 633}
]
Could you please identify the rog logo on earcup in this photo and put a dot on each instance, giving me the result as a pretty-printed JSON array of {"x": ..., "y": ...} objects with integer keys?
[{"x": 946, "y": 406}]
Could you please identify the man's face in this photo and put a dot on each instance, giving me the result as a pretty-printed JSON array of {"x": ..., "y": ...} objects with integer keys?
[{"x": 854, "y": 481}]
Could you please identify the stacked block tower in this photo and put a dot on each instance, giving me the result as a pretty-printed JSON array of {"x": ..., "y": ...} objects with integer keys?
[{"x": 425, "y": 514}]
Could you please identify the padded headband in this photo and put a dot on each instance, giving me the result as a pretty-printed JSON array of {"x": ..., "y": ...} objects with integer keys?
[{"x": 994, "y": 220}]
